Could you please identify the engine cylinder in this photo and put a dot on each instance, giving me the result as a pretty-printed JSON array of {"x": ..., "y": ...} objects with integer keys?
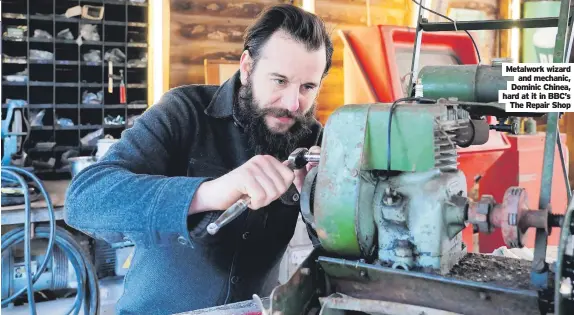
[{"x": 467, "y": 83}]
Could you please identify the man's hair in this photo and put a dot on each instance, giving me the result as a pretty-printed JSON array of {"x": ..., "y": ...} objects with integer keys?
[{"x": 302, "y": 26}]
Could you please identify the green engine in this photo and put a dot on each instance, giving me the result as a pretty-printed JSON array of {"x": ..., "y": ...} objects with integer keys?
[{"x": 393, "y": 193}]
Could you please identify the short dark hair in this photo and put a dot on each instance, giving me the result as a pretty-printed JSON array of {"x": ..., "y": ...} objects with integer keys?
[{"x": 301, "y": 25}]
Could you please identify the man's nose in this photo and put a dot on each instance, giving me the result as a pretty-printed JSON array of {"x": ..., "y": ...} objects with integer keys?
[{"x": 290, "y": 98}]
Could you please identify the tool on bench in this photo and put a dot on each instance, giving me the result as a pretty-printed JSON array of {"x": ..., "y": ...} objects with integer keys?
[{"x": 297, "y": 160}]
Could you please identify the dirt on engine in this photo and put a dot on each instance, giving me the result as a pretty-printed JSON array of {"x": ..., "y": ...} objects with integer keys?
[{"x": 497, "y": 270}]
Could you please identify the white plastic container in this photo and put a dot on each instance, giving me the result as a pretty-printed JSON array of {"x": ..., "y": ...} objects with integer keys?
[{"x": 103, "y": 147}]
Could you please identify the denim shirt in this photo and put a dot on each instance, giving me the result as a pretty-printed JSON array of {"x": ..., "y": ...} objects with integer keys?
[{"x": 141, "y": 191}]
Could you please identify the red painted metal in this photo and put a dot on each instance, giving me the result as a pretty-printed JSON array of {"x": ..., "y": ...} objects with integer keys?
[{"x": 521, "y": 165}]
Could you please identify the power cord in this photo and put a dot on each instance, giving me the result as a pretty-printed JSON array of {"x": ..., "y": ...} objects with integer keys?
[
  {"x": 88, "y": 287},
  {"x": 391, "y": 111},
  {"x": 454, "y": 22}
]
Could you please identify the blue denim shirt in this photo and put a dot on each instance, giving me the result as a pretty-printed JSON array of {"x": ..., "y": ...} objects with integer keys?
[{"x": 141, "y": 191}]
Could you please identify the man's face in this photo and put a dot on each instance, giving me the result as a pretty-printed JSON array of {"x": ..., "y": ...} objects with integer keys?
[
  {"x": 279, "y": 92},
  {"x": 285, "y": 81}
]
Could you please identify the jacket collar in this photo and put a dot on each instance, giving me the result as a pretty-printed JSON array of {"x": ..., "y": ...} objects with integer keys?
[{"x": 222, "y": 103}]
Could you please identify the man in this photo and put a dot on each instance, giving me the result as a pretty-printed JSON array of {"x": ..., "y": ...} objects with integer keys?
[{"x": 194, "y": 154}]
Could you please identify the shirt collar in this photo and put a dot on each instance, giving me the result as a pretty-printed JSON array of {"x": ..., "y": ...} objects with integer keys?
[{"x": 222, "y": 103}]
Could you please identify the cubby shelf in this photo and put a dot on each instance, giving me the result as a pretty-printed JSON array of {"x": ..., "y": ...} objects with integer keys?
[{"x": 60, "y": 68}]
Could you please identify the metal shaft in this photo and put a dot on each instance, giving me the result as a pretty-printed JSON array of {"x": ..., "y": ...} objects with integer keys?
[{"x": 229, "y": 215}]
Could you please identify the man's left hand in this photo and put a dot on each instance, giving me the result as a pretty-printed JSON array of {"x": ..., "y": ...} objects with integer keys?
[{"x": 301, "y": 173}]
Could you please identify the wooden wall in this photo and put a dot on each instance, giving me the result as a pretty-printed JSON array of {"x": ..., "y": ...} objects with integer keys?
[{"x": 213, "y": 29}]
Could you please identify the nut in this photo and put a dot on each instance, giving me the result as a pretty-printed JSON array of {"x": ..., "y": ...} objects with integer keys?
[
  {"x": 482, "y": 211},
  {"x": 485, "y": 204}
]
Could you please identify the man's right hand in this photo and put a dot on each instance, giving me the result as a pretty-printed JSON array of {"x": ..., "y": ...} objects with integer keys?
[{"x": 263, "y": 178}]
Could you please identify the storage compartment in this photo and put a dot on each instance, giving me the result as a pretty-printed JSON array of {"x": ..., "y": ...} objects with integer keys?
[{"x": 59, "y": 66}]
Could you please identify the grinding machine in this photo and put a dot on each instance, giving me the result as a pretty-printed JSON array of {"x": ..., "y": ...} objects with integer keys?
[{"x": 388, "y": 203}]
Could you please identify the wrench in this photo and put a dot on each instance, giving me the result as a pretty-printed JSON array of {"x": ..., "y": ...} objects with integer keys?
[{"x": 297, "y": 160}]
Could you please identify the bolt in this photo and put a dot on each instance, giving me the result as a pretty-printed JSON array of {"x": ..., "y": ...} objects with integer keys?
[
  {"x": 354, "y": 173},
  {"x": 295, "y": 197},
  {"x": 483, "y": 296},
  {"x": 363, "y": 273},
  {"x": 305, "y": 271},
  {"x": 403, "y": 243},
  {"x": 555, "y": 220}
]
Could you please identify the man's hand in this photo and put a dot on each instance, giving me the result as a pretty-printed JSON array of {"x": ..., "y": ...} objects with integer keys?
[
  {"x": 263, "y": 178},
  {"x": 300, "y": 174}
]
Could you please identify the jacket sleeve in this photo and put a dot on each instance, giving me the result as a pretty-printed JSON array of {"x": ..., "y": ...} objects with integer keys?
[{"x": 128, "y": 194}]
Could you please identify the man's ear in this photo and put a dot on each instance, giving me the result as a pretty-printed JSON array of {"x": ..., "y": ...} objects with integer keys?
[{"x": 245, "y": 66}]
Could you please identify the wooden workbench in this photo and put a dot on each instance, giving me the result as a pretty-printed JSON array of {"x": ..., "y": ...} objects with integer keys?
[{"x": 57, "y": 191}]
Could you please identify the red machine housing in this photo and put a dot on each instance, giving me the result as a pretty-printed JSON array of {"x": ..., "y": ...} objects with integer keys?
[
  {"x": 521, "y": 166},
  {"x": 377, "y": 62}
]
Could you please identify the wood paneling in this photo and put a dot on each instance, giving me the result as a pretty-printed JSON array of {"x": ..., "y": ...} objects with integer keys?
[
  {"x": 222, "y": 8},
  {"x": 207, "y": 29},
  {"x": 486, "y": 40}
]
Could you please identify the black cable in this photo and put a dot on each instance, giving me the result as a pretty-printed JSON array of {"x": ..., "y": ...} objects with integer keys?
[
  {"x": 88, "y": 287},
  {"x": 454, "y": 22},
  {"x": 393, "y": 106}
]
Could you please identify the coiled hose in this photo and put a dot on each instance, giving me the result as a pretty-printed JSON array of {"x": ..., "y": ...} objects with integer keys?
[{"x": 88, "y": 288}]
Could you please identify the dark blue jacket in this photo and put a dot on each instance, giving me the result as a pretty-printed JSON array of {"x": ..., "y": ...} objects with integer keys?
[{"x": 141, "y": 191}]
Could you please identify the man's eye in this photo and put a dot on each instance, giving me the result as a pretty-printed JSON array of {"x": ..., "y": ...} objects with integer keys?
[
  {"x": 309, "y": 87},
  {"x": 279, "y": 81}
]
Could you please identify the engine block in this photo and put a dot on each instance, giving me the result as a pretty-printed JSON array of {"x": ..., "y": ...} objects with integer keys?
[
  {"x": 405, "y": 207},
  {"x": 419, "y": 222}
]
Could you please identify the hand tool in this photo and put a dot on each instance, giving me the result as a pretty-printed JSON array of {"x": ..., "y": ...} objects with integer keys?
[
  {"x": 122, "y": 88},
  {"x": 110, "y": 77},
  {"x": 297, "y": 160}
]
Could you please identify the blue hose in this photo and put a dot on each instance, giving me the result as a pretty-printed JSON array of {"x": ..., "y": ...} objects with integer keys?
[{"x": 88, "y": 288}]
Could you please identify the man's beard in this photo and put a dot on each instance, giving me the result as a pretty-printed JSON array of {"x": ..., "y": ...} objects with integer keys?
[{"x": 260, "y": 138}]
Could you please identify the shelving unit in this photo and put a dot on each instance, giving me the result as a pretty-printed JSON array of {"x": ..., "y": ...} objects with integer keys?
[{"x": 56, "y": 84}]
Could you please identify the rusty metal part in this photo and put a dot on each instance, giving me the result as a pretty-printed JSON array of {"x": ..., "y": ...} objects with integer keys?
[
  {"x": 339, "y": 301},
  {"x": 512, "y": 216},
  {"x": 426, "y": 290},
  {"x": 478, "y": 213},
  {"x": 297, "y": 295}
]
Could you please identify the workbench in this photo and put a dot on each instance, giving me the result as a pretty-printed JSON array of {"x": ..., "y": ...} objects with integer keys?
[{"x": 57, "y": 192}]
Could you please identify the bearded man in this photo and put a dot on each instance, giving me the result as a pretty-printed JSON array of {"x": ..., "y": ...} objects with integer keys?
[{"x": 195, "y": 153}]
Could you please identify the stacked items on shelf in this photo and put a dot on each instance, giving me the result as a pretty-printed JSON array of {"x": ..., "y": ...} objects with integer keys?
[{"x": 81, "y": 69}]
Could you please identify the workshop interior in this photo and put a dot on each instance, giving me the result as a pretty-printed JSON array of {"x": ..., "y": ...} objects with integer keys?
[{"x": 428, "y": 197}]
